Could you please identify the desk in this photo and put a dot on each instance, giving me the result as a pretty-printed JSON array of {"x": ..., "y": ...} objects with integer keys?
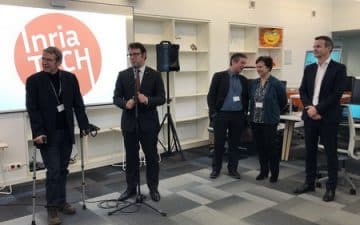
[
  {"x": 294, "y": 99},
  {"x": 290, "y": 121}
]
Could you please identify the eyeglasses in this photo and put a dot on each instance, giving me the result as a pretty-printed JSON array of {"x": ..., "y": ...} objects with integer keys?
[
  {"x": 48, "y": 59},
  {"x": 134, "y": 54}
]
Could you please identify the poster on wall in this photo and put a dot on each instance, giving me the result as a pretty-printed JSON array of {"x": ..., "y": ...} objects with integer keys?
[
  {"x": 270, "y": 37},
  {"x": 93, "y": 46}
]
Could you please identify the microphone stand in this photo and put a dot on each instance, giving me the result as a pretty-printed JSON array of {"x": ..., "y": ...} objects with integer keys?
[{"x": 139, "y": 200}]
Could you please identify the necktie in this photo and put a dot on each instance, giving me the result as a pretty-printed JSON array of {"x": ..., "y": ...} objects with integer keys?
[{"x": 137, "y": 78}]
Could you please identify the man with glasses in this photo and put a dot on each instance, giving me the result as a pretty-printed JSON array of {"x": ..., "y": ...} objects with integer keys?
[
  {"x": 52, "y": 97},
  {"x": 138, "y": 91}
]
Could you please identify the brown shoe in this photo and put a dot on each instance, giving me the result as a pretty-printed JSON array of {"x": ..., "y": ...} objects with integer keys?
[
  {"x": 67, "y": 209},
  {"x": 53, "y": 217}
]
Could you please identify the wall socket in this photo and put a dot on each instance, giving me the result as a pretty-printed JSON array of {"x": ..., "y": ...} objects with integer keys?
[{"x": 13, "y": 166}]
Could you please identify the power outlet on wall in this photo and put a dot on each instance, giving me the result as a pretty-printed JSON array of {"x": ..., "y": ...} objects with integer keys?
[{"x": 13, "y": 166}]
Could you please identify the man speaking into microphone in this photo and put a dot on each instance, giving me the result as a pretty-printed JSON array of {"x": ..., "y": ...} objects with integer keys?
[{"x": 138, "y": 91}]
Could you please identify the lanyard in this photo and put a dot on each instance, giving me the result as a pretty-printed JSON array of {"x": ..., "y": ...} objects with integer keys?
[{"x": 57, "y": 95}]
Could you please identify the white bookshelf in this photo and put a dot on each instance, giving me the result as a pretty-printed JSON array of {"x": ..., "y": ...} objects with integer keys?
[
  {"x": 244, "y": 38},
  {"x": 189, "y": 86}
]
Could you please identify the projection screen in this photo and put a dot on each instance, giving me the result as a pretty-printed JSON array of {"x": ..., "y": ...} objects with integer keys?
[{"x": 92, "y": 36}]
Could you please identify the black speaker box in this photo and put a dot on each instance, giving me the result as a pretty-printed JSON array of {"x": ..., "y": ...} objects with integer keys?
[{"x": 167, "y": 56}]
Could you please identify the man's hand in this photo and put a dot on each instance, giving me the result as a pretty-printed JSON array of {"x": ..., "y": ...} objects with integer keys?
[
  {"x": 316, "y": 117},
  {"x": 41, "y": 139},
  {"x": 130, "y": 104},
  {"x": 311, "y": 111},
  {"x": 85, "y": 132},
  {"x": 142, "y": 98}
]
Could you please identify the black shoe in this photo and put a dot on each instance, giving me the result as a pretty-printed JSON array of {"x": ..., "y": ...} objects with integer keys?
[
  {"x": 329, "y": 195},
  {"x": 155, "y": 195},
  {"x": 214, "y": 174},
  {"x": 127, "y": 194},
  {"x": 234, "y": 174},
  {"x": 261, "y": 176},
  {"x": 304, "y": 188},
  {"x": 273, "y": 179}
]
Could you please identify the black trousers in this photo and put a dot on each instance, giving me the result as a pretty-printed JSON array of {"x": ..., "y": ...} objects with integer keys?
[
  {"x": 227, "y": 125},
  {"x": 265, "y": 142},
  {"x": 328, "y": 136},
  {"x": 148, "y": 143},
  {"x": 56, "y": 156}
]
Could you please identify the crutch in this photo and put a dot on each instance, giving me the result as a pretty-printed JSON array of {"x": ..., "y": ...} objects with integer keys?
[
  {"x": 34, "y": 187},
  {"x": 82, "y": 169},
  {"x": 92, "y": 130}
]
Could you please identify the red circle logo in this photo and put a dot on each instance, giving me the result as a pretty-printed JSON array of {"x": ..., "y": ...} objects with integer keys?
[{"x": 81, "y": 51}]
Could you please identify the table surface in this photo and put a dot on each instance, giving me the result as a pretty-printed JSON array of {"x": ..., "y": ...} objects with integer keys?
[
  {"x": 295, "y": 116},
  {"x": 298, "y": 96}
]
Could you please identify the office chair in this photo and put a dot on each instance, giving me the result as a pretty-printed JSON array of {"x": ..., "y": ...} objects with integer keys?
[
  {"x": 345, "y": 154},
  {"x": 349, "y": 81},
  {"x": 355, "y": 92}
]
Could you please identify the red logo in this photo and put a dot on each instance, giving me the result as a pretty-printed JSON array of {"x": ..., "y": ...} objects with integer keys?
[{"x": 81, "y": 51}]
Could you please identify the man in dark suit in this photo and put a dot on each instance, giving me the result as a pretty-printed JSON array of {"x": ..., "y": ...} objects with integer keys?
[
  {"x": 138, "y": 91},
  {"x": 228, "y": 104},
  {"x": 321, "y": 89},
  {"x": 52, "y": 96}
]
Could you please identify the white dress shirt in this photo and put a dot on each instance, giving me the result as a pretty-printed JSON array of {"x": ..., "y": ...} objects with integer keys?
[{"x": 318, "y": 80}]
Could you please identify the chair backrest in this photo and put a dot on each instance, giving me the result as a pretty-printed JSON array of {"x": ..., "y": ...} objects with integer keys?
[
  {"x": 349, "y": 82},
  {"x": 348, "y": 121},
  {"x": 355, "y": 92}
]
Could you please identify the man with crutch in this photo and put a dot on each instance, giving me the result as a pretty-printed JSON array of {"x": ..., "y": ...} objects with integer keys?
[{"x": 52, "y": 95}]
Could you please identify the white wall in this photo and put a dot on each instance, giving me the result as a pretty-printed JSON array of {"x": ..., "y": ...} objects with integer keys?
[
  {"x": 346, "y": 15},
  {"x": 351, "y": 54},
  {"x": 293, "y": 15}
]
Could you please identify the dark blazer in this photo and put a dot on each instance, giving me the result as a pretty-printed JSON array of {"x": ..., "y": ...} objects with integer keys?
[
  {"x": 41, "y": 104},
  {"x": 152, "y": 86},
  {"x": 274, "y": 102},
  {"x": 331, "y": 90},
  {"x": 219, "y": 88}
]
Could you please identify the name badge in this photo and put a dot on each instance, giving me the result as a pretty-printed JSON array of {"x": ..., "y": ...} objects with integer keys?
[
  {"x": 60, "y": 108},
  {"x": 258, "y": 104},
  {"x": 236, "y": 98}
]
